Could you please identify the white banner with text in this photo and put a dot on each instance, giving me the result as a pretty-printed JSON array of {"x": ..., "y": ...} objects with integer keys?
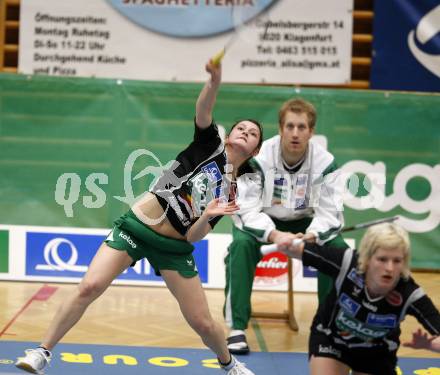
[{"x": 270, "y": 41}]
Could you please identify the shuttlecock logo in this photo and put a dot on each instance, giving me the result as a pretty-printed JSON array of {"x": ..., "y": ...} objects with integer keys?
[{"x": 426, "y": 29}]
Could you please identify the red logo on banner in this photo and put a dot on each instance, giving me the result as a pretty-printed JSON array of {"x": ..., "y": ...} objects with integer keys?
[{"x": 272, "y": 270}]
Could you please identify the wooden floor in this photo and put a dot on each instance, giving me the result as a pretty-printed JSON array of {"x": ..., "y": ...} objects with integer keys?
[{"x": 149, "y": 316}]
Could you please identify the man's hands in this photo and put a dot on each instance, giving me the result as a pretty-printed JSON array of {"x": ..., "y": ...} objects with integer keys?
[
  {"x": 285, "y": 242},
  {"x": 308, "y": 237}
]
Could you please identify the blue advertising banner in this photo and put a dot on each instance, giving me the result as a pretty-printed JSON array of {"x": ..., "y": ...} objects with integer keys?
[
  {"x": 68, "y": 255},
  {"x": 406, "y": 45}
]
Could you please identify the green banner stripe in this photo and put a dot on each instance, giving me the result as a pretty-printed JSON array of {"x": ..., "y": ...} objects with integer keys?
[{"x": 4, "y": 251}]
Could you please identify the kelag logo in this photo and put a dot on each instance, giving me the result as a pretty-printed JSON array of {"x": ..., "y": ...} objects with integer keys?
[
  {"x": 4, "y": 250},
  {"x": 68, "y": 255}
]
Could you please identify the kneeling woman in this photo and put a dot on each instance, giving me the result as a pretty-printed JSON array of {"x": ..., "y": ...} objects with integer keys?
[{"x": 358, "y": 326}]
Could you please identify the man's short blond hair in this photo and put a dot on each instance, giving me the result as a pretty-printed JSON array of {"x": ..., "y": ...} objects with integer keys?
[{"x": 298, "y": 106}]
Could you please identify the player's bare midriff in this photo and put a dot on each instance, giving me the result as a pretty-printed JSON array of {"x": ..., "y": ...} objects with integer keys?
[{"x": 150, "y": 212}]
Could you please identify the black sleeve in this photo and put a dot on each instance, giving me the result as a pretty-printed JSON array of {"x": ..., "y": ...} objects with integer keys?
[
  {"x": 205, "y": 142},
  {"x": 213, "y": 221},
  {"x": 326, "y": 259},
  {"x": 427, "y": 314},
  {"x": 207, "y": 135}
]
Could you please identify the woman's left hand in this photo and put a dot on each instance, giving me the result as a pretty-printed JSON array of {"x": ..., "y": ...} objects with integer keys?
[
  {"x": 420, "y": 340},
  {"x": 220, "y": 208}
]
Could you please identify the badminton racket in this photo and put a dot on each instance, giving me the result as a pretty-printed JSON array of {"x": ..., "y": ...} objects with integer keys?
[
  {"x": 242, "y": 19},
  {"x": 267, "y": 249}
]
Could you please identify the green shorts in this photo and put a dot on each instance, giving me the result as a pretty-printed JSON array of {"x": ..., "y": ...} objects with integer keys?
[{"x": 139, "y": 241}]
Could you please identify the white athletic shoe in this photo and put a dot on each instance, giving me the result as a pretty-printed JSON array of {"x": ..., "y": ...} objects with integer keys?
[
  {"x": 237, "y": 368},
  {"x": 34, "y": 361}
]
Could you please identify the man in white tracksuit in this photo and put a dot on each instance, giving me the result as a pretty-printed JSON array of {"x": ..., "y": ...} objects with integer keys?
[{"x": 292, "y": 191}]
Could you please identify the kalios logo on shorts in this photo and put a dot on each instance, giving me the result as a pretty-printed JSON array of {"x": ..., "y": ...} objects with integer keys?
[{"x": 128, "y": 239}]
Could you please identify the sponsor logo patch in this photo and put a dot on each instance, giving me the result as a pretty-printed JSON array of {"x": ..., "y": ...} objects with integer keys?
[
  {"x": 279, "y": 181},
  {"x": 369, "y": 305},
  {"x": 350, "y": 325},
  {"x": 356, "y": 278},
  {"x": 329, "y": 350},
  {"x": 300, "y": 192},
  {"x": 387, "y": 321},
  {"x": 348, "y": 304},
  {"x": 212, "y": 171},
  {"x": 128, "y": 239}
]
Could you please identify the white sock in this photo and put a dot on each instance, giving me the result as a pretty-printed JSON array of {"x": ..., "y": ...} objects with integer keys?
[
  {"x": 236, "y": 332},
  {"x": 230, "y": 365}
]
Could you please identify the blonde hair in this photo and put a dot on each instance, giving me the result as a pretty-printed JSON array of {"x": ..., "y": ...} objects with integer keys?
[
  {"x": 384, "y": 236},
  {"x": 298, "y": 106}
]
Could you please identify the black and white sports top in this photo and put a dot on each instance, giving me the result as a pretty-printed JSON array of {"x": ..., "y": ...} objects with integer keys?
[
  {"x": 197, "y": 176},
  {"x": 354, "y": 319}
]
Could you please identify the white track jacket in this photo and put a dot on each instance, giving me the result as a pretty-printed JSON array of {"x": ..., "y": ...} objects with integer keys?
[{"x": 272, "y": 192}]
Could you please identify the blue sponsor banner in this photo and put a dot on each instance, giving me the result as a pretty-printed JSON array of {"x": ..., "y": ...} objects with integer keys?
[
  {"x": 68, "y": 255},
  {"x": 406, "y": 45},
  {"x": 201, "y": 256},
  {"x": 310, "y": 272}
]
